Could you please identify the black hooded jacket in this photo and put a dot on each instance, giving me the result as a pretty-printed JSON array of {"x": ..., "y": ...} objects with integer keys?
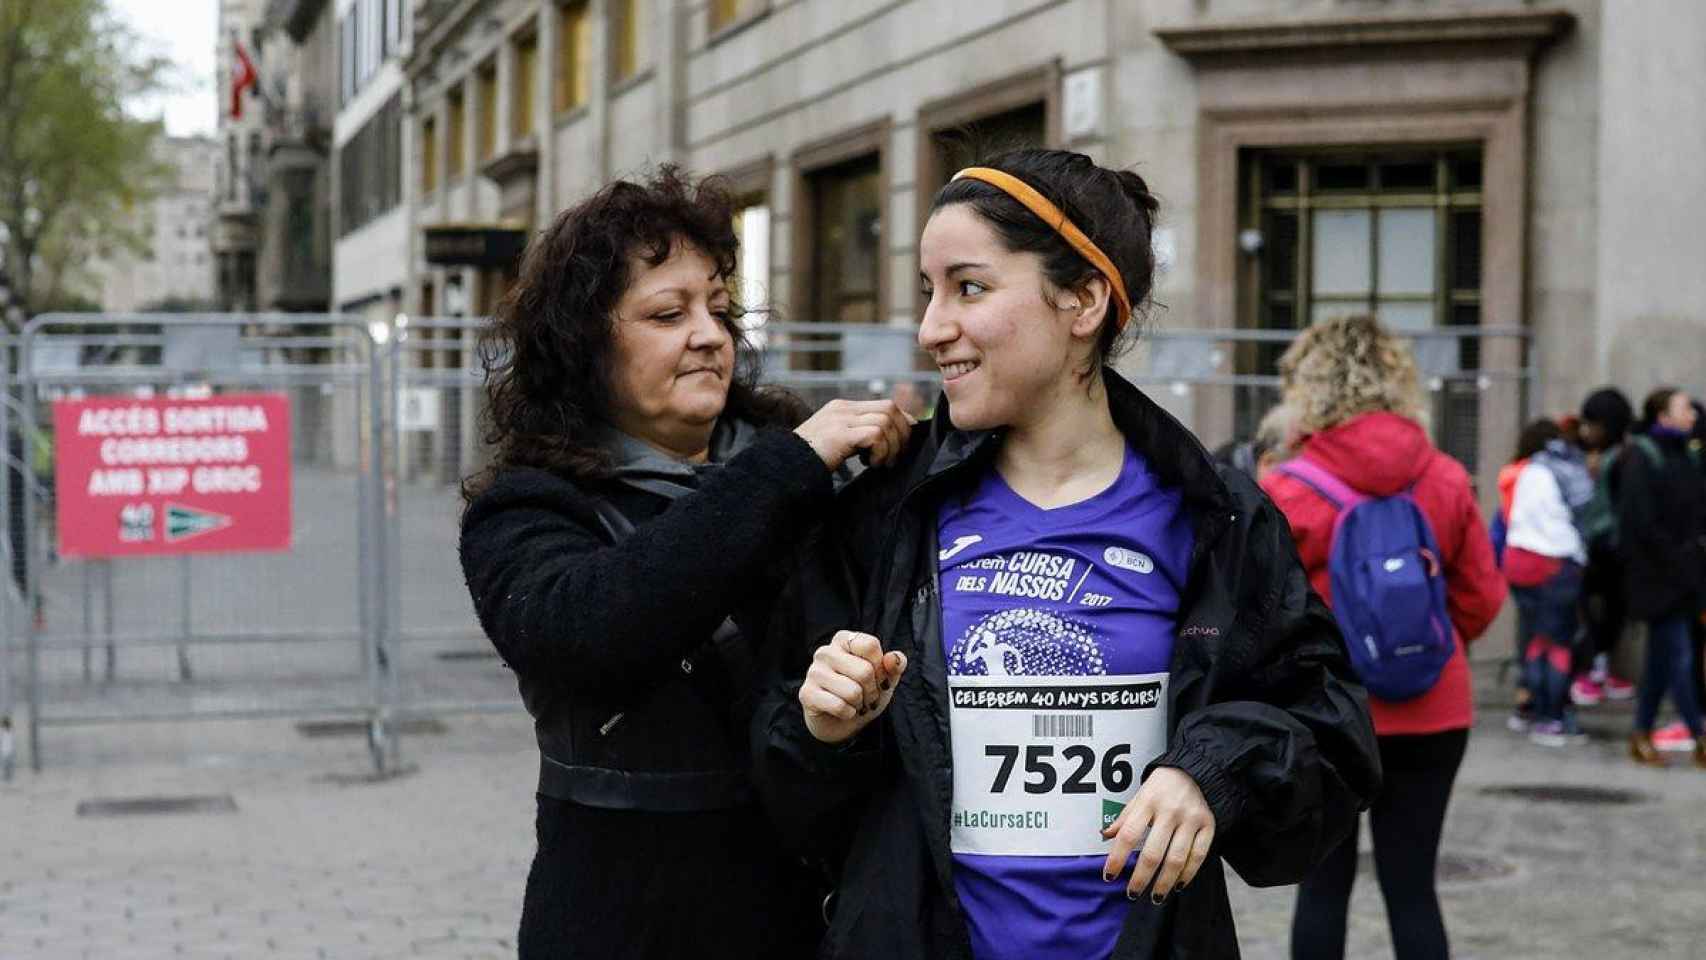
[
  {"x": 1265, "y": 713},
  {"x": 1661, "y": 526}
]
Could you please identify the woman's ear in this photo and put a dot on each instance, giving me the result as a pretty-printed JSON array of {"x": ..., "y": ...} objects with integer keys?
[{"x": 1093, "y": 300}]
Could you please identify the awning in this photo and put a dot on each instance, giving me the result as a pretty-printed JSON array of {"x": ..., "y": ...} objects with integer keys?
[{"x": 474, "y": 245}]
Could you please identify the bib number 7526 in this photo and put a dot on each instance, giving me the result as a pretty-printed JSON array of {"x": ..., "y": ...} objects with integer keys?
[{"x": 1079, "y": 761}]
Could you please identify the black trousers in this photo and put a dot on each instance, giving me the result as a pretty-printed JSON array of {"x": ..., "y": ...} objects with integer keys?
[
  {"x": 1698, "y": 673},
  {"x": 636, "y": 885},
  {"x": 1406, "y": 820},
  {"x": 1604, "y": 606}
]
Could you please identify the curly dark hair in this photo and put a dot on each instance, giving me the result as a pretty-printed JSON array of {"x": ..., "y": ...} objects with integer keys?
[{"x": 548, "y": 350}]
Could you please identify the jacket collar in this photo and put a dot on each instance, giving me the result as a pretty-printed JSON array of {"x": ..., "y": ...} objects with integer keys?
[{"x": 1172, "y": 451}]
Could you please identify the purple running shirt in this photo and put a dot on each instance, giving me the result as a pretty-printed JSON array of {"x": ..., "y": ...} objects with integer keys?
[{"x": 1058, "y": 628}]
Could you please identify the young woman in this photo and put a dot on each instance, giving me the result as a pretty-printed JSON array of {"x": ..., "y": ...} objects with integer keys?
[
  {"x": 1661, "y": 527},
  {"x": 1055, "y": 633},
  {"x": 1354, "y": 387},
  {"x": 1544, "y": 555},
  {"x": 1604, "y": 427}
]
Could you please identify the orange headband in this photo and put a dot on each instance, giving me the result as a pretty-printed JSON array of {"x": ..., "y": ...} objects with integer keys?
[{"x": 1052, "y": 215}]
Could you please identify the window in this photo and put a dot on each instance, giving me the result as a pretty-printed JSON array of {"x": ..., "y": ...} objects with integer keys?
[
  {"x": 371, "y": 169},
  {"x": 346, "y": 58},
  {"x": 231, "y": 168},
  {"x": 486, "y": 120},
  {"x": 429, "y": 155},
  {"x": 456, "y": 133},
  {"x": 958, "y": 146},
  {"x": 752, "y": 228},
  {"x": 521, "y": 89},
  {"x": 373, "y": 36},
  {"x": 846, "y": 231},
  {"x": 725, "y": 12},
  {"x": 363, "y": 35},
  {"x": 1397, "y": 235},
  {"x": 573, "y": 76},
  {"x": 393, "y": 26},
  {"x": 628, "y": 38}
]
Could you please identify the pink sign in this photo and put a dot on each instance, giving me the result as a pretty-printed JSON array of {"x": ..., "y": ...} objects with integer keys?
[{"x": 147, "y": 477}]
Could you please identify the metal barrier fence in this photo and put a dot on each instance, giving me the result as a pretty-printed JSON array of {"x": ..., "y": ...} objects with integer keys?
[
  {"x": 366, "y": 617},
  {"x": 292, "y": 633},
  {"x": 1219, "y": 382}
]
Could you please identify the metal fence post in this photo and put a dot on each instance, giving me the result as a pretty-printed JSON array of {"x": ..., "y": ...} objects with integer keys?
[
  {"x": 379, "y": 721},
  {"x": 107, "y": 618},
  {"x": 32, "y": 561},
  {"x": 184, "y": 626}
]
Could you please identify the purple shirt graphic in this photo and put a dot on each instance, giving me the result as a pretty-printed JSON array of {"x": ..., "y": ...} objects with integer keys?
[{"x": 1037, "y": 604}]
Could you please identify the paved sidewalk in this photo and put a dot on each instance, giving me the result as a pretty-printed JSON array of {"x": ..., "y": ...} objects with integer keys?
[{"x": 316, "y": 863}]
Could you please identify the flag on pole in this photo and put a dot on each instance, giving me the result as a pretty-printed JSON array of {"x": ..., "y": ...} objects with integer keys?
[{"x": 243, "y": 77}]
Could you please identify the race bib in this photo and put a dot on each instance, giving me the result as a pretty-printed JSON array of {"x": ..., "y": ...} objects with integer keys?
[{"x": 1042, "y": 764}]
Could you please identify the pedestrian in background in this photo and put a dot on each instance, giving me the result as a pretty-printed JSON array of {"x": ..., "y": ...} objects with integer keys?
[
  {"x": 1603, "y": 428},
  {"x": 1272, "y": 445},
  {"x": 1354, "y": 388},
  {"x": 1661, "y": 525},
  {"x": 622, "y": 552},
  {"x": 1543, "y": 561}
]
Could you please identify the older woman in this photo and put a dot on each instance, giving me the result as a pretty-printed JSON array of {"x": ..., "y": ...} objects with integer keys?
[{"x": 620, "y": 552}]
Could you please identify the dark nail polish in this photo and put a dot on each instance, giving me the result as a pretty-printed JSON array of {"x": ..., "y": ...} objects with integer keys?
[
  {"x": 885, "y": 686},
  {"x": 1156, "y": 898},
  {"x": 1107, "y": 878},
  {"x": 1131, "y": 895}
]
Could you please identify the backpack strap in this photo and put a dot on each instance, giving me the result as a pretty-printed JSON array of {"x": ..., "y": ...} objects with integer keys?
[{"x": 1321, "y": 480}]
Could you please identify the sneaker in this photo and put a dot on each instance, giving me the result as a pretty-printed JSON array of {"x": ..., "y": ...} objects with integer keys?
[
  {"x": 1518, "y": 722},
  {"x": 1617, "y": 688},
  {"x": 1674, "y": 738},
  {"x": 1549, "y": 733},
  {"x": 1585, "y": 693},
  {"x": 1573, "y": 728}
]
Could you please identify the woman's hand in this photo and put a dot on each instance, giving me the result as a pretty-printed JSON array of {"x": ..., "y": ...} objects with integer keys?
[
  {"x": 849, "y": 684},
  {"x": 1181, "y": 829},
  {"x": 844, "y": 427}
]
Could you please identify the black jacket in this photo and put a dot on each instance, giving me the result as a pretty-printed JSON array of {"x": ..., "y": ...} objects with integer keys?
[
  {"x": 633, "y": 654},
  {"x": 1661, "y": 529},
  {"x": 1266, "y": 715}
]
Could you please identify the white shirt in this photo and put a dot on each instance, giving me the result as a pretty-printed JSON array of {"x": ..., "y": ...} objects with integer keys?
[{"x": 1540, "y": 521}]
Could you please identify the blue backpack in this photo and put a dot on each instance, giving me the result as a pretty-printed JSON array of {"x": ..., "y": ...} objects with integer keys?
[{"x": 1388, "y": 585}]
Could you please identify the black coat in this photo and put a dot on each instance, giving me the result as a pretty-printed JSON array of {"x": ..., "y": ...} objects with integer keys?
[
  {"x": 1661, "y": 529},
  {"x": 651, "y": 840},
  {"x": 1266, "y": 715}
]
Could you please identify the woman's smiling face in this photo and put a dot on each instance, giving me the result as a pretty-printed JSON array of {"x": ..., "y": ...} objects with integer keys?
[{"x": 1003, "y": 348}]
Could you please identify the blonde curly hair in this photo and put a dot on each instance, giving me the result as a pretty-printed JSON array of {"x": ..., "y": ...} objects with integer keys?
[{"x": 1346, "y": 366}]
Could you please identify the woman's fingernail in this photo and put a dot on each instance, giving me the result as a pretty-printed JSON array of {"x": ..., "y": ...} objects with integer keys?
[
  {"x": 1131, "y": 895},
  {"x": 1107, "y": 878},
  {"x": 1156, "y": 898},
  {"x": 885, "y": 685}
]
